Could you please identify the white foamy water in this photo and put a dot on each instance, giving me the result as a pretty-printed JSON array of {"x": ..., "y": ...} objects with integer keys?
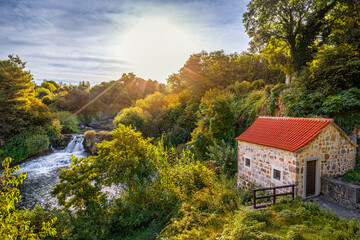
[
  {"x": 57, "y": 159},
  {"x": 42, "y": 174}
]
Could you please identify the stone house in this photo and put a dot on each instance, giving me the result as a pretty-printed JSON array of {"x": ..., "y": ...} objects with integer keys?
[{"x": 276, "y": 151}]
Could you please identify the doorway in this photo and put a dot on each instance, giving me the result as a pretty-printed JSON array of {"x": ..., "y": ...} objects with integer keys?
[{"x": 312, "y": 177}]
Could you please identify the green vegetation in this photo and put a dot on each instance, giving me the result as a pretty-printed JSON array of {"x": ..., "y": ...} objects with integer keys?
[
  {"x": 172, "y": 148},
  {"x": 354, "y": 175},
  {"x": 14, "y": 224},
  {"x": 69, "y": 122},
  {"x": 297, "y": 220}
]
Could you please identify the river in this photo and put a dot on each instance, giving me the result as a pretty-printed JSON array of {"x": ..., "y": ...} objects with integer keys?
[{"x": 42, "y": 174}]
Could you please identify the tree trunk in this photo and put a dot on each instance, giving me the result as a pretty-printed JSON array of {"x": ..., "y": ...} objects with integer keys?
[{"x": 287, "y": 79}]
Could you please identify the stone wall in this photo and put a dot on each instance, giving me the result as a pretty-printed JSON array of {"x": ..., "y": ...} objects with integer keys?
[
  {"x": 263, "y": 159},
  {"x": 341, "y": 190},
  {"x": 336, "y": 155}
]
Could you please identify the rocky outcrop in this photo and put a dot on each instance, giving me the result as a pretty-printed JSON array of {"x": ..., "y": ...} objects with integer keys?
[
  {"x": 62, "y": 141},
  {"x": 92, "y": 138}
]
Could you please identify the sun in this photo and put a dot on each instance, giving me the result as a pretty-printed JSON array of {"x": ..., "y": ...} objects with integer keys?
[{"x": 156, "y": 47}]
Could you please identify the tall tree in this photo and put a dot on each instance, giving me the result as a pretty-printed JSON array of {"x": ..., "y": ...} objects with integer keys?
[
  {"x": 204, "y": 71},
  {"x": 16, "y": 95},
  {"x": 296, "y": 22}
]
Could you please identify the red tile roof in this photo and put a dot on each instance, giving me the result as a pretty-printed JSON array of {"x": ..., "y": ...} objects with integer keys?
[{"x": 285, "y": 133}]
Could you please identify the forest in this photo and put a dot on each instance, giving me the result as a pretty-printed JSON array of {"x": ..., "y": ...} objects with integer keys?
[{"x": 172, "y": 147}]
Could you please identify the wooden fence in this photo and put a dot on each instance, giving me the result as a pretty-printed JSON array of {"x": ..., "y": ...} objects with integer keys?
[{"x": 273, "y": 195}]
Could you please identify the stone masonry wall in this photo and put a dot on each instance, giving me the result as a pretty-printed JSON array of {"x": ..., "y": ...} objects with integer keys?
[
  {"x": 341, "y": 191},
  {"x": 336, "y": 155},
  {"x": 263, "y": 158}
]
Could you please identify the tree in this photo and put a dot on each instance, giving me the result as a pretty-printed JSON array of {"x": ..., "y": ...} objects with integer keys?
[
  {"x": 204, "y": 71},
  {"x": 278, "y": 54},
  {"x": 16, "y": 95},
  {"x": 297, "y": 22},
  {"x": 216, "y": 121}
]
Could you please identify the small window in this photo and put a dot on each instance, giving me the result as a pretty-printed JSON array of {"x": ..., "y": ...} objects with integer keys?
[
  {"x": 247, "y": 162},
  {"x": 276, "y": 174}
]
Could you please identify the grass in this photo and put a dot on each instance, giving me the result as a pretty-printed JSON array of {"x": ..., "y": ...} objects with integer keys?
[{"x": 295, "y": 220}]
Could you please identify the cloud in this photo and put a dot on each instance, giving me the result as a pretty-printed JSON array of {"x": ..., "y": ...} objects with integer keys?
[{"x": 80, "y": 40}]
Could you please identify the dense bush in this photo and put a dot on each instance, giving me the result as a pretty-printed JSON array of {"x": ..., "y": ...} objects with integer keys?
[
  {"x": 224, "y": 156},
  {"x": 296, "y": 220},
  {"x": 25, "y": 144},
  {"x": 69, "y": 122}
]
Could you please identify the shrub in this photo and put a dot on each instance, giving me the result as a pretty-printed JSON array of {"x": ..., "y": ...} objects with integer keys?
[
  {"x": 37, "y": 143},
  {"x": 104, "y": 135},
  {"x": 42, "y": 92},
  {"x": 14, "y": 224},
  {"x": 258, "y": 84},
  {"x": 69, "y": 122},
  {"x": 89, "y": 135},
  {"x": 224, "y": 157},
  {"x": 25, "y": 144}
]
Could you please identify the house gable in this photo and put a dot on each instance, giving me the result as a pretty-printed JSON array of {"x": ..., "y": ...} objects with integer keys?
[{"x": 335, "y": 152}]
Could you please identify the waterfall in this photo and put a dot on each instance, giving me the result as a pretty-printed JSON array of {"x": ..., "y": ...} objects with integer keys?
[
  {"x": 42, "y": 174},
  {"x": 57, "y": 159},
  {"x": 75, "y": 145}
]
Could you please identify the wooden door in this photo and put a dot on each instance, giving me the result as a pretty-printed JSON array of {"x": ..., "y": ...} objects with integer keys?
[{"x": 310, "y": 178}]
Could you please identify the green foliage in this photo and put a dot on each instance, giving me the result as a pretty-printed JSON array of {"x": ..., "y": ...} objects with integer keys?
[
  {"x": 297, "y": 23},
  {"x": 127, "y": 150},
  {"x": 354, "y": 175},
  {"x": 204, "y": 215},
  {"x": 333, "y": 69},
  {"x": 296, "y": 220},
  {"x": 13, "y": 225},
  {"x": 42, "y": 92},
  {"x": 153, "y": 181},
  {"x": 240, "y": 89},
  {"x": 248, "y": 224},
  {"x": 54, "y": 131},
  {"x": 343, "y": 107},
  {"x": 273, "y": 100},
  {"x": 216, "y": 121},
  {"x": 16, "y": 94},
  {"x": 258, "y": 84},
  {"x": 224, "y": 157},
  {"x": 253, "y": 106},
  {"x": 205, "y": 71},
  {"x": 134, "y": 116},
  {"x": 49, "y": 86},
  {"x": 25, "y": 144},
  {"x": 68, "y": 122},
  {"x": 55, "y": 84}
]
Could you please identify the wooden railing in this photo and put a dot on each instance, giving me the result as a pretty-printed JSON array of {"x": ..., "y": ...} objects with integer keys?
[{"x": 273, "y": 196}]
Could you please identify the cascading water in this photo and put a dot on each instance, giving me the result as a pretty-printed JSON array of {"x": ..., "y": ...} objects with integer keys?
[{"x": 42, "y": 174}]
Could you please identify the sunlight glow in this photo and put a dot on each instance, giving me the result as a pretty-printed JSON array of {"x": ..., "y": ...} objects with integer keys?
[{"x": 153, "y": 44}]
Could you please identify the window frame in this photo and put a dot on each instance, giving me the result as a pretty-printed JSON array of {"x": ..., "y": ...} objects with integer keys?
[
  {"x": 248, "y": 167},
  {"x": 273, "y": 168}
]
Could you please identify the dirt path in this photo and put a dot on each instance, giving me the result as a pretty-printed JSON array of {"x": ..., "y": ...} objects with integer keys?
[{"x": 343, "y": 211}]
